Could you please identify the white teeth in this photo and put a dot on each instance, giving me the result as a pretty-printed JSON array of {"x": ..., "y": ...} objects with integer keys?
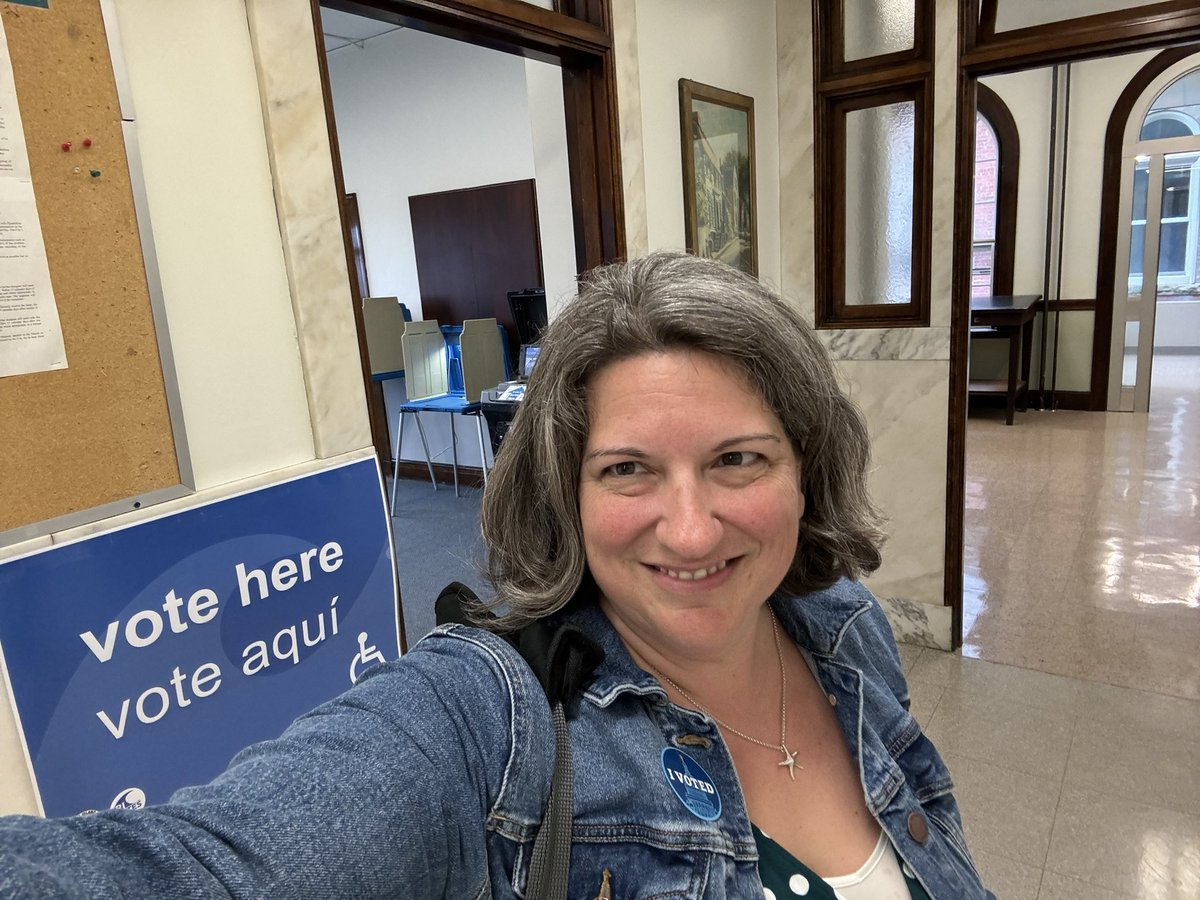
[{"x": 694, "y": 575}]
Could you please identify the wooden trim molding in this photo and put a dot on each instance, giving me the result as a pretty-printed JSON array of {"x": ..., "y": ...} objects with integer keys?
[
  {"x": 1008, "y": 138},
  {"x": 829, "y": 30},
  {"x": 960, "y": 320},
  {"x": 443, "y": 473},
  {"x": 1081, "y": 305},
  {"x": 1110, "y": 201},
  {"x": 830, "y": 152},
  {"x": 1085, "y": 37},
  {"x": 511, "y": 26}
]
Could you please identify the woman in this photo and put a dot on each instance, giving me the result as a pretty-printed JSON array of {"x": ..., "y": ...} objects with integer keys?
[{"x": 685, "y": 486}]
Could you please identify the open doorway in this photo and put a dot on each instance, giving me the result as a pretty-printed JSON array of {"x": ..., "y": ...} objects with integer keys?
[
  {"x": 1073, "y": 530},
  {"x": 432, "y": 106}
]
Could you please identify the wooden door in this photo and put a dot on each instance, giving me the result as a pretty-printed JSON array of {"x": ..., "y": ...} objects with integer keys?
[{"x": 473, "y": 246}]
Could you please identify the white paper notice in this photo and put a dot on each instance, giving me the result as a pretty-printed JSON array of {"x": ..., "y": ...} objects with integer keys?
[{"x": 31, "y": 337}]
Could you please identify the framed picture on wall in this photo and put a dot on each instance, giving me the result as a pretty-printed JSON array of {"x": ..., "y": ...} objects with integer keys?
[{"x": 720, "y": 214}]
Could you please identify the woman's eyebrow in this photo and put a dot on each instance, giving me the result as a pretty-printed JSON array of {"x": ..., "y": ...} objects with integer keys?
[
  {"x": 747, "y": 438},
  {"x": 616, "y": 451}
]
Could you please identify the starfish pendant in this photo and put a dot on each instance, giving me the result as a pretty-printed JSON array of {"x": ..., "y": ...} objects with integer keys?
[{"x": 789, "y": 760}]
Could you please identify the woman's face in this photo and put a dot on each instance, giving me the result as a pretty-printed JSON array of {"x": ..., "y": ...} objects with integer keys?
[{"x": 690, "y": 501}]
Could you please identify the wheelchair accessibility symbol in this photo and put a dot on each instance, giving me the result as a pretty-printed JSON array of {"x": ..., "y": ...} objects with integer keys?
[{"x": 366, "y": 657}]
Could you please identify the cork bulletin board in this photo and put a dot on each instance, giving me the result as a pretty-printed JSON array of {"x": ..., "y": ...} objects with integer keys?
[{"x": 102, "y": 435}]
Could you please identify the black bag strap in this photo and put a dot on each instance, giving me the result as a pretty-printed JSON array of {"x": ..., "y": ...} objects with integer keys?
[{"x": 563, "y": 659}]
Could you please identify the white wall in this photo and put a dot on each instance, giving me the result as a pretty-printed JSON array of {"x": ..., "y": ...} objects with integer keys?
[
  {"x": 726, "y": 45},
  {"x": 548, "y": 127},
  {"x": 1177, "y": 325},
  {"x": 225, "y": 286}
]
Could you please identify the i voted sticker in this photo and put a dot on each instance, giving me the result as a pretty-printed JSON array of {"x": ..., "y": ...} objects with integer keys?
[{"x": 691, "y": 784}]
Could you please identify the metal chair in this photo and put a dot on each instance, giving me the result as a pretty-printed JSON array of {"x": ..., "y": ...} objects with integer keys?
[{"x": 453, "y": 402}]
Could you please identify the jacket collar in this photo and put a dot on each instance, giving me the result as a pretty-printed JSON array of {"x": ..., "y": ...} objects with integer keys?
[{"x": 816, "y": 622}]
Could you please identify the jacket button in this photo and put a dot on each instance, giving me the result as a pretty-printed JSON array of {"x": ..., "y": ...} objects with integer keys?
[{"x": 918, "y": 828}]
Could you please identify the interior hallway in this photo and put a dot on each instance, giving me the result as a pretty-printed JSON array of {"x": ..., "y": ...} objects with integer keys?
[{"x": 1071, "y": 721}]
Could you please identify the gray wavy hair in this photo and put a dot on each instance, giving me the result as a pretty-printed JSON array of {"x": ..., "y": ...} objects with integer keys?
[{"x": 668, "y": 301}]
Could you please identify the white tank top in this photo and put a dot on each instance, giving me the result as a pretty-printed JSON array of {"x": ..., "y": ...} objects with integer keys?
[{"x": 879, "y": 878}]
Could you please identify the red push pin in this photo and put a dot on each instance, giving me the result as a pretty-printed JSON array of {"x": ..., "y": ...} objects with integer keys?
[
  {"x": 87, "y": 142},
  {"x": 66, "y": 145}
]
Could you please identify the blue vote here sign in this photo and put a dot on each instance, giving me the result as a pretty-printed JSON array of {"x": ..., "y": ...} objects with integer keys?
[{"x": 142, "y": 659}]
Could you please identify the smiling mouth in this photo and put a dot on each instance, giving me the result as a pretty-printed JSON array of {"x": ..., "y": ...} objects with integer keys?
[{"x": 693, "y": 574}]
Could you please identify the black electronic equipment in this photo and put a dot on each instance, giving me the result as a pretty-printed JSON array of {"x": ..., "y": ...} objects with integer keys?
[{"x": 529, "y": 313}]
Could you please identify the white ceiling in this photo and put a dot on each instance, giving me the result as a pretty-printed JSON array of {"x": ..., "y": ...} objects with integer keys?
[{"x": 348, "y": 30}]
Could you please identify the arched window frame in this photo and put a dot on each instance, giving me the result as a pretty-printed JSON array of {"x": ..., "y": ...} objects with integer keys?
[
  {"x": 989, "y": 105},
  {"x": 1111, "y": 228}
]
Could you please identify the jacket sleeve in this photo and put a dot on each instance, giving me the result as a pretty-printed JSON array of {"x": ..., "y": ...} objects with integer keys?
[{"x": 382, "y": 791}]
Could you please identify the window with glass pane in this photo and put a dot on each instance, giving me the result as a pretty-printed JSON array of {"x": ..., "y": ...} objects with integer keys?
[
  {"x": 877, "y": 27},
  {"x": 1173, "y": 240},
  {"x": 1138, "y": 226},
  {"x": 987, "y": 180},
  {"x": 1137, "y": 231},
  {"x": 880, "y": 143},
  {"x": 873, "y": 161}
]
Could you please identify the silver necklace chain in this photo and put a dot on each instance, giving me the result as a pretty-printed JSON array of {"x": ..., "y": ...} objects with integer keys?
[{"x": 789, "y": 758}]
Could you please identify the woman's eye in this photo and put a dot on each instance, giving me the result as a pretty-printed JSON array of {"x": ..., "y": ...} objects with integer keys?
[
  {"x": 738, "y": 458},
  {"x": 624, "y": 468}
]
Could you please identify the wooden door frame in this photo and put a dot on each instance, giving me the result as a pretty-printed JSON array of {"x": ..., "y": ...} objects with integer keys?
[
  {"x": 577, "y": 36},
  {"x": 982, "y": 51}
]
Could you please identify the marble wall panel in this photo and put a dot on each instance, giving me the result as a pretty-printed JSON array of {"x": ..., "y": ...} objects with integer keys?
[
  {"x": 629, "y": 116},
  {"x": 945, "y": 75},
  {"x": 887, "y": 343},
  {"x": 918, "y": 623},
  {"x": 793, "y": 28},
  {"x": 905, "y": 402},
  {"x": 293, "y": 107}
]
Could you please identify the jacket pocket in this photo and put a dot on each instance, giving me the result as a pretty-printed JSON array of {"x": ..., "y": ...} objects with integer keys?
[{"x": 637, "y": 870}]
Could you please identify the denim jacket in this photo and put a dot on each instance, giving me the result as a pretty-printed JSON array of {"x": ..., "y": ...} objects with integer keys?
[{"x": 429, "y": 778}]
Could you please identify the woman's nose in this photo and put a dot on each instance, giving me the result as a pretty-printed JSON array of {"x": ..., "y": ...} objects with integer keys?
[{"x": 688, "y": 526}]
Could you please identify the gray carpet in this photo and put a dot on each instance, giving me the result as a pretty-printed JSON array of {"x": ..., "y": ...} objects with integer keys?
[{"x": 437, "y": 541}]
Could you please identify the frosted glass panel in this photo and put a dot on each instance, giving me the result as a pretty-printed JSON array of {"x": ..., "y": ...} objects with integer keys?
[
  {"x": 879, "y": 204},
  {"x": 1011, "y": 14},
  {"x": 876, "y": 27}
]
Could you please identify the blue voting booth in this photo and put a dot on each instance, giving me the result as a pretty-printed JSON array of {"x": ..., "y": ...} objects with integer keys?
[{"x": 142, "y": 659}]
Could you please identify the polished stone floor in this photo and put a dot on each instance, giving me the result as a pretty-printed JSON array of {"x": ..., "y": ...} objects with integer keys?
[{"x": 1071, "y": 718}]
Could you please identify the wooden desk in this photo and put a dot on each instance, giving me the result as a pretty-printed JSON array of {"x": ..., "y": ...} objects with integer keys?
[{"x": 1010, "y": 318}]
